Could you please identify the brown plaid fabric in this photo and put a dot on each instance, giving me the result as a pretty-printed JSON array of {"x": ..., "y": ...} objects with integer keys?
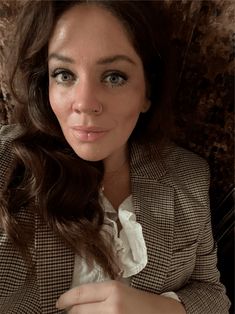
[{"x": 170, "y": 195}]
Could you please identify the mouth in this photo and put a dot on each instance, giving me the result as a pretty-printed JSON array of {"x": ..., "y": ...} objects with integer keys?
[{"x": 88, "y": 134}]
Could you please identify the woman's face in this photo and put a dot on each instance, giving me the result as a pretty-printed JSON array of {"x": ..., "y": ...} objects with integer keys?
[{"x": 97, "y": 86}]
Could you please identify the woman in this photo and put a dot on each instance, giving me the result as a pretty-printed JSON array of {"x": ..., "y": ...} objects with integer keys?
[{"x": 99, "y": 211}]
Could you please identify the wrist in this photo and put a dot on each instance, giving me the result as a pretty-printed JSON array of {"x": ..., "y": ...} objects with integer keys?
[{"x": 169, "y": 305}]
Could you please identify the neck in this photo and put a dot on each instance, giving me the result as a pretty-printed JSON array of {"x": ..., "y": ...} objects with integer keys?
[
  {"x": 116, "y": 184},
  {"x": 115, "y": 163}
]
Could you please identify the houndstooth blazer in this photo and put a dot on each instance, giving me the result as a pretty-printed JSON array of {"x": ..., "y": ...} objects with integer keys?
[{"x": 170, "y": 196}]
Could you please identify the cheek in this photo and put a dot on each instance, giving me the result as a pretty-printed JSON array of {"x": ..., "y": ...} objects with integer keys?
[
  {"x": 133, "y": 106},
  {"x": 53, "y": 98},
  {"x": 129, "y": 105},
  {"x": 56, "y": 102},
  {"x": 132, "y": 115},
  {"x": 128, "y": 120}
]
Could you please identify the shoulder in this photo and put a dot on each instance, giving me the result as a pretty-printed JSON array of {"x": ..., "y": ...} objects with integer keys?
[
  {"x": 169, "y": 159},
  {"x": 180, "y": 160},
  {"x": 178, "y": 170},
  {"x": 7, "y": 134},
  {"x": 186, "y": 171},
  {"x": 171, "y": 165}
]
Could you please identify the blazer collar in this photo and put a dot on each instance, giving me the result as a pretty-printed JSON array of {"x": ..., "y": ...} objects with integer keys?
[
  {"x": 154, "y": 207},
  {"x": 146, "y": 163}
]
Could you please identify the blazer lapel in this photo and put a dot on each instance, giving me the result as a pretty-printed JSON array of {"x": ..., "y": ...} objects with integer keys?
[
  {"x": 54, "y": 267},
  {"x": 154, "y": 208}
]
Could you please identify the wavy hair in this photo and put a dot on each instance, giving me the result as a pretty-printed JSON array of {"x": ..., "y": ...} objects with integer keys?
[{"x": 48, "y": 177}]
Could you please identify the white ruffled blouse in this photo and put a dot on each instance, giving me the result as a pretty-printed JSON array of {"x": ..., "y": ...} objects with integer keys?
[{"x": 129, "y": 245}]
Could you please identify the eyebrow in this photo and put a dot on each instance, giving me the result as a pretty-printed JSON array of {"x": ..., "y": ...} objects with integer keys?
[
  {"x": 60, "y": 58},
  {"x": 111, "y": 59},
  {"x": 101, "y": 61}
]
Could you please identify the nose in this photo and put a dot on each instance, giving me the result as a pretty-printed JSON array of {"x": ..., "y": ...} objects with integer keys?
[{"x": 86, "y": 99}]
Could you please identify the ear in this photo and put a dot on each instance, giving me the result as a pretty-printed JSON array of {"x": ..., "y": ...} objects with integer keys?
[{"x": 146, "y": 106}]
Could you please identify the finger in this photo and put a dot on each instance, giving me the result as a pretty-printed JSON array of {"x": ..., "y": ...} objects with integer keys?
[
  {"x": 90, "y": 308},
  {"x": 87, "y": 293}
]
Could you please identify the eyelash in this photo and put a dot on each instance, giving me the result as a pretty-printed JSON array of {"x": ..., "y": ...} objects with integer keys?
[
  {"x": 122, "y": 78},
  {"x": 55, "y": 74},
  {"x": 118, "y": 74}
]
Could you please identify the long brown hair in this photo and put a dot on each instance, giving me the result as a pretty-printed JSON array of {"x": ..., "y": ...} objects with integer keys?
[{"x": 63, "y": 188}]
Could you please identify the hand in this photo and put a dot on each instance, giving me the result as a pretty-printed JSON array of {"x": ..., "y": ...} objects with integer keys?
[{"x": 113, "y": 297}]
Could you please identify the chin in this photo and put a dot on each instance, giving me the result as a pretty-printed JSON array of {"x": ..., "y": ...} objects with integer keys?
[{"x": 88, "y": 156}]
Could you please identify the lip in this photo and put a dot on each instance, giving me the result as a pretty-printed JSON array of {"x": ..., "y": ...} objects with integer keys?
[
  {"x": 88, "y": 128},
  {"x": 88, "y": 134}
]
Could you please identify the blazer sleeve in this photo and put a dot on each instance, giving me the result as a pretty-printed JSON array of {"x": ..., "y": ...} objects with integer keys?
[
  {"x": 204, "y": 294},
  {"x": 18, "y": 291}
]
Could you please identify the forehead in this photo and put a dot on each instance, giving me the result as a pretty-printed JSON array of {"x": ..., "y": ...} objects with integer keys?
[{"x": 85, "y": 26}]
